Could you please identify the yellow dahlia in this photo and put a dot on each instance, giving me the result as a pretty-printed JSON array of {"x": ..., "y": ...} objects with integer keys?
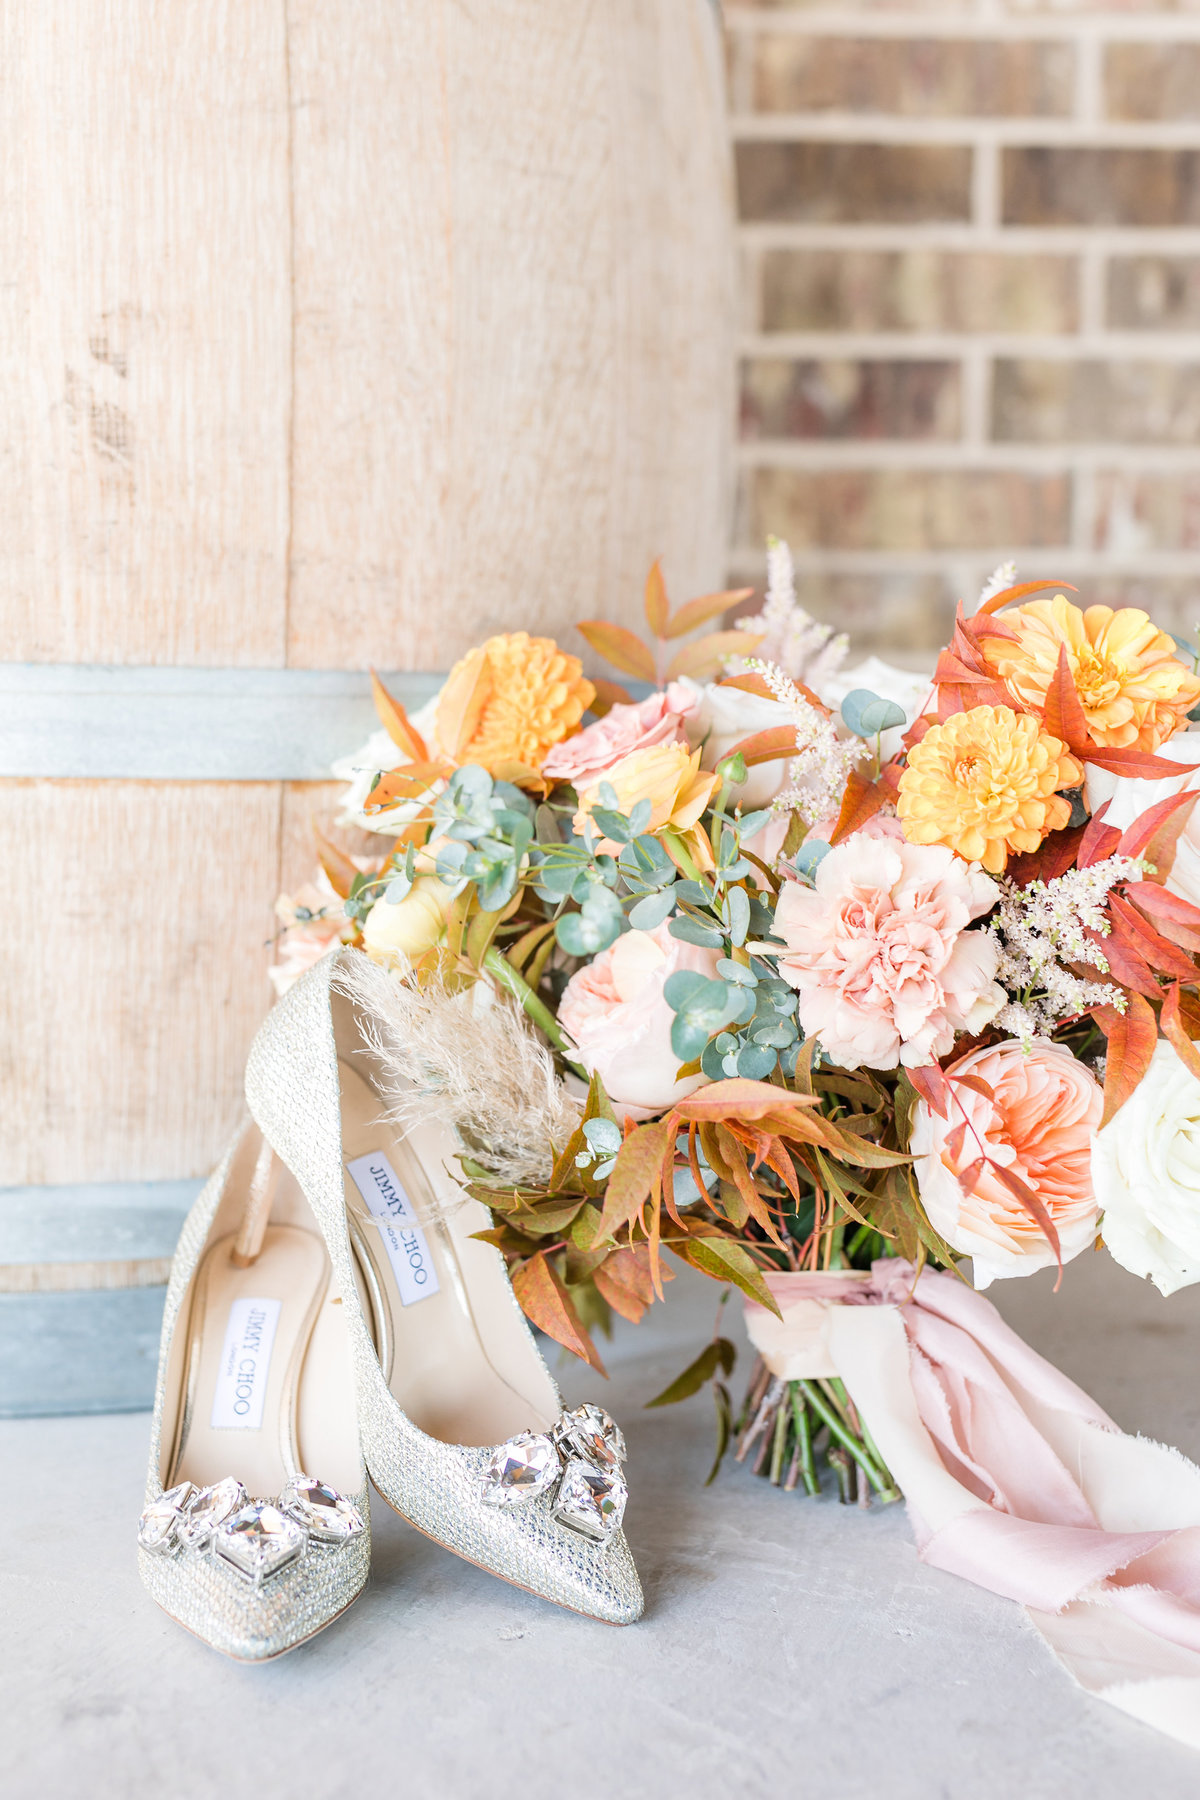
[
  {"x": 668, "y": 775},
  {"x": 984, "y": 784},
  {"x": 508, "y": 701},
  {"x": 1130, "y": 682}
]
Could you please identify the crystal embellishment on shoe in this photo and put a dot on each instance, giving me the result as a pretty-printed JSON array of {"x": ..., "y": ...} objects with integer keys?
[
  {"x": 526, "y": 1466},
  {"x": 259, "y": 1541},
  {"x": 591, "y": 1500},
  {"x": 158, "y": 1526},
  {"x": 327, "y": 1516},
  {"x": 589, "y": 1431},
  {"x": 258, "y": 1538},
  {"x": 202, "y": 1514},
  {"x": 580, "y": 1456}
]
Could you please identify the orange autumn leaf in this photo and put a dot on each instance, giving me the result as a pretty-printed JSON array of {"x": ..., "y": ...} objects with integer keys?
[
  {"x": 619, "y": 647},
  {"x": 543, "y": 1298},
  {"x": 1131, "y": 1036},
  {"x": 396, "y": 722}
]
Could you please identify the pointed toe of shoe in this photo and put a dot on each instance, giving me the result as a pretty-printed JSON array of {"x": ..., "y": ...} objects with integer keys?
[{"x": 253, "y": 1624}]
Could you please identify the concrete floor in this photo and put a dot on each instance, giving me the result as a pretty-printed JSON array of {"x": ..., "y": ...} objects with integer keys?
[{"x": 789, "y": 1647}]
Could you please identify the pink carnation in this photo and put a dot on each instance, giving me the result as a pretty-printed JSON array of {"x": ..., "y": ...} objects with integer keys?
[
  {"x": 1032, "y": 1113},
  {"x": 880, "y": 952},
  {"x": 587, "y": 757}
]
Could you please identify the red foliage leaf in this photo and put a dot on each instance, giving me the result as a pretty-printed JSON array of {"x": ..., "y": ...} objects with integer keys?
[
  {"x": 396, "y": 722},
  {"x": 766, "y": 746},
  {"x": 1033, "y": 1205},
  {"x": 543, "y": 1298},
  {"x": 1138, "y": 763},
  {"x": 1162, "y": 955},
  {"x": 619, "y": 647},
  {"x": 695, "y": 613},
  {"x": 703, "y": 657},
  {"x": 1177, "y": 1035},
  {"x": 1099, "y": 840},
  {"x": 1010, "y": 596},
  {"x": 657, "y": 609},
  {"x": 1136, "y": 838},
  {"x": 1131, "y": 1036},
  {"x": 930, "y": 1082},
  {"x": 1064, "y": 717},
  {"x": 638, "y": 1173},
  {"x": 860, "y": 802},
  {"x": 738, "y": 1098}
]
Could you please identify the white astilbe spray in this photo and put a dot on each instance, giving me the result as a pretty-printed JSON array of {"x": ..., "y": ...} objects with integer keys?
[
  {"x": 799, "y": 644},
  {"x": 1041, "y": 928},
  {"x": 1002, "y": 577},
  {"x": 822, "y": 762},
  {"x": 493, "y": 1081}
]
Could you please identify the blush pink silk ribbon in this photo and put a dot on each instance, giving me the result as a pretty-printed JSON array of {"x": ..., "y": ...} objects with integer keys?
[{"x": 1014, "y": 1478}]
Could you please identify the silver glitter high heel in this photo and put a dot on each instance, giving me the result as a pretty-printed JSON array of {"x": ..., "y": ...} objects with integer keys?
[
  {"x": 463, "y": 1427},
  {"x": 245, "y": 1539}
]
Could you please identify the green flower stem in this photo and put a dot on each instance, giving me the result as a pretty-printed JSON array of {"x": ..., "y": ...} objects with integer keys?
[
  {"x": 869, "y": 1444},
  {"x": 779, "y": 1445},
  {"x": 808, "y": 1462},
  {"x": 682, "y": 858},
  {"x": 498, "y": 965},
  {"x": 824, "y": 1411}
]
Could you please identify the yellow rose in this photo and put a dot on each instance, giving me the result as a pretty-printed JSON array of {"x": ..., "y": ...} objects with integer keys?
[
  {"x": 397, "y": 936},
  {"x": 668, "y": 775}
]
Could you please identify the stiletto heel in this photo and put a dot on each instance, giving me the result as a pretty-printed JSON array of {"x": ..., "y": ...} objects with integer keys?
[{"x": 463, "y": 1427}]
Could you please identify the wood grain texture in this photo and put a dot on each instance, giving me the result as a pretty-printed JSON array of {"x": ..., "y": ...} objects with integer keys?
[
  {"x": 145, "y": 319},
  {"x": 513, "y": 293},
  {"x": 133, "y": 976}
]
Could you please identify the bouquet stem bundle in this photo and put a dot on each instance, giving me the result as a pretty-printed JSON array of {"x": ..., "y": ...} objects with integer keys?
[{"x": 789, "y": 1425}]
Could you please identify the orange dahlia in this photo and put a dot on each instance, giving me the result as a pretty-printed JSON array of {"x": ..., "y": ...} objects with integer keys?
[
  {"x": 508, "y": 701},
  {"x": 1131, "y": 684},
  {"x": 985, "y": 783}
]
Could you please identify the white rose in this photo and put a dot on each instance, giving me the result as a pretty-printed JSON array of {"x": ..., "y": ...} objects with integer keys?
[
  {"x": 720, "y": 718},
  {"x": 908, "y": 688},
  {"x": 1129, "y": 798},
  {"x": 375, "y": 758},
  {"x": 1146, "y": 1176}
]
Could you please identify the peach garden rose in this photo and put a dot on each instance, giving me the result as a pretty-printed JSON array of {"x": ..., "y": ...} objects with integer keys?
[
  {"x": 880, "y": 952},
  {"x": 613, "y": 1009},
  {"x": 587, "y": 757},
  {"x": 1038, "y": 1123}
]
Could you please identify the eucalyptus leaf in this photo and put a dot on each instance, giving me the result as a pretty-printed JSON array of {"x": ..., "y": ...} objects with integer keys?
[
  {"x": 614, "y": 825},
  {"x": 603, "y": 1134},
  {"x": 755, "y": 1061},
  {"x": 735, "y": 971},
  {"x": 690, "y": 932},
  {"x": 652, "y": 910},
  {"x": 737, "y": 908},
  {"x": 809, "y": 857},
  {"x": 750, "y": 824},
  {"x": 867, "y": 714},
  {"x": 681, "y": 986}
]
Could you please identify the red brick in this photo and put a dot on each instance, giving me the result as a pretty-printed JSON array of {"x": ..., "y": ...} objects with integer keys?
[
  {"x": 850, "y": 399},
  {"x": 1148, "y": 511},
  {"x": 917, "y": 290},
  {"x": 1154, "y": 293},
  {"x": 1060, "y": 186},
  {"x": 914, "y": 77},
  {"x": 1048, "y": 402},
  {"x": 1152, "y": 81},
  {"x": 897, "y": 183},
  {"x": 908, "y": 509}
]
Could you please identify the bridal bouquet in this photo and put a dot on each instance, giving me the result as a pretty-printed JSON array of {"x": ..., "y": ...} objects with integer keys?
[
  {"x": 781, "y": 969},
  {"x": 818, "y": 982}
]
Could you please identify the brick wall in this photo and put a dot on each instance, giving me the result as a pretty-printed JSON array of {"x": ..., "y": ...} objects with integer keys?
[{"x": 970, "y": 237}]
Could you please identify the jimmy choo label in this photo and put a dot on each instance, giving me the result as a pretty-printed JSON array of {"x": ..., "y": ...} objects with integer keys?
[
  {"x": 412, "y": 1264},
  {"x": 245, "y": 1365}
]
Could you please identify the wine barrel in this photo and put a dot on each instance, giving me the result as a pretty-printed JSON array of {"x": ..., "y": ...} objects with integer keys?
[{"x": 331, "y": 336}]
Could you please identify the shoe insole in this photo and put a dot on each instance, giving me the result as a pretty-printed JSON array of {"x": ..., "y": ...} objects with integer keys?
[
  {"x": 249, "y": 1330},
  {"x": 449, "y": 1333}
]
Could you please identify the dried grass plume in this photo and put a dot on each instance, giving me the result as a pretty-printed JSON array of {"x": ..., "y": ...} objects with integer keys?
[{"x": 495, "y": 1082}]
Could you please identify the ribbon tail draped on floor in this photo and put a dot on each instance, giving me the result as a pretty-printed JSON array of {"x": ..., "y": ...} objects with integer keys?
[{"x": 1014, "y": 1477}]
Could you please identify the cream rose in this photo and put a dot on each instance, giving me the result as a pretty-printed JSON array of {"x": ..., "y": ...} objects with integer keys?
[
  {"x": 717, "y": 721},
  {"x": 614, "y": 1010},
  {"x": 1129, "y": 798},
  {"x": 1146, "y": 1172},
  {"x": 398, "y": 935}
]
